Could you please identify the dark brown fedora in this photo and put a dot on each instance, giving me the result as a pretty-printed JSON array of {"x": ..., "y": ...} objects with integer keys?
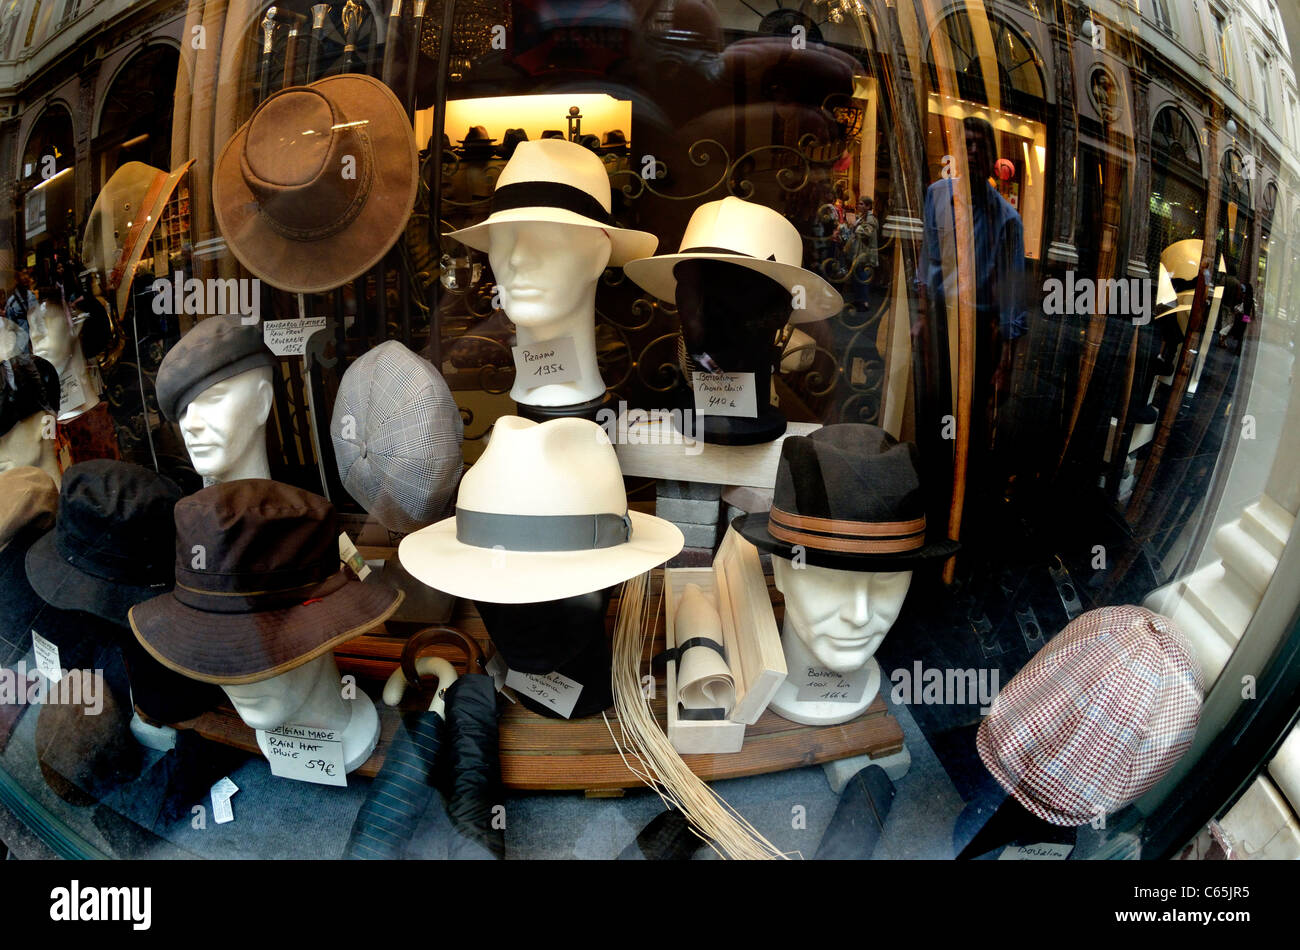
[
  {"x": 847, "y": 497},
  {"x": 318, "y": 184},
  {"x": 259, "y": 589}
]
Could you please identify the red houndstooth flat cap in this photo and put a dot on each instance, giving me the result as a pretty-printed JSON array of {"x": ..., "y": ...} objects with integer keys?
[{"x": 1099, "y": 716}]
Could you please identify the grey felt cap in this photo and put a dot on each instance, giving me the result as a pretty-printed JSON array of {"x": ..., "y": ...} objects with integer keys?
[
  {"x": 218, "y": 348},
  {"x": 397, "y": 434}
]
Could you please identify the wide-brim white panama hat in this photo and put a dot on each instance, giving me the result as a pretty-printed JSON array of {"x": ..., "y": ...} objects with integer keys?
[
  {"x": 751, "y": 235},
  {"x": 542, "y": 515},
  {"x": 560, "y": 182}
]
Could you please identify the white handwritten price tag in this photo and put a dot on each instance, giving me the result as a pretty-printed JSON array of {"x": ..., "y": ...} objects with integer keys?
[
  {"x": 497, "y": 669},
  {"x": 554, "y": 690},
  {"x": 71, "y": 393},
  {"x": 289, "y": 337},
  {"x": 725, "y": 394},
  {"x": 540, "y": 364},
  {"x": 305, "y": 753},
  {"x": 817, "y": 685},
  {"x": 47, "y": 658},
  {"x": 222, "y": 792},
  {"x": 1045, "y": 851}
]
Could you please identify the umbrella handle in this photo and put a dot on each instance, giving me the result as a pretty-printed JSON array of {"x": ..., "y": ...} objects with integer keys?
[{"x": 434, "y": 666}]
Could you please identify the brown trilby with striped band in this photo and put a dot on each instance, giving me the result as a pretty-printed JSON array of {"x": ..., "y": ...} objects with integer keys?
[{"x": 847, "y": 497}]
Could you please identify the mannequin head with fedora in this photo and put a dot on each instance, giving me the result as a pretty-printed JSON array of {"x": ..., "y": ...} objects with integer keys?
[
  {"x": 845, "y": 531},
  {"x": 56, "y": 339},
  {"x": 216, "y": 383},
  {"x": 541, "y": 533},
  {"x": 736, "y": 281},
  {"x": 263, "y": 607},
  {"x": 549, "y": 237},
  {"x": 29, "y": 401}
]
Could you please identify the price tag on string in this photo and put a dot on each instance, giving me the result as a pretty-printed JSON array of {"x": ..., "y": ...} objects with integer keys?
[
  {"x": 222, "y": 811},
  {"x": 289, "y": 337},
  {"x": 47, "y": 657},
  {"x": 554, "y": 690},
  {"x": 305, "y": 754},
  {"x": 817, "y": 685},
  {"x": 71, "y": 393},
  {"x": 540, "y": 364},
  {"x": 725, "y": 394}
]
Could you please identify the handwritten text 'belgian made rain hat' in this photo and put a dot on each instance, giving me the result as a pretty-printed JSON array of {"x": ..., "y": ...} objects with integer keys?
[
  {"x": 542, "y": 515},
  {"x": 557, "y": 181},
  {"x": 318, "y": 184}
]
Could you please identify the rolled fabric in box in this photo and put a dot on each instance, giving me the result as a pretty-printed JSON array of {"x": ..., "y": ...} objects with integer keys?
[{"x": 704, "y": 680}]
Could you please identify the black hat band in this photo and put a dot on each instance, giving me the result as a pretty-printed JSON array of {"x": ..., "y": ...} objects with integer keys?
[{"x": 549, "y": 194}]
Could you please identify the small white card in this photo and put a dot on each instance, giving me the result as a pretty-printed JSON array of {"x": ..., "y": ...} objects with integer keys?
[
  {"x": 350, "y": 556},
  {"x": 306, "y": 754},
  {"x": 222, "y": 811},
  {"x": 289, "y": 337},
  {"x": 1044, "y": 851},
  {"x": 497, "y": 669},
  {"x": 540, "y": 364},
  {"x": 71, "y": 393},
  {"x": 554, "y": 689},
  {"x": 817, "y": 685},
  {"x": 725, "y": 394},
  {"x": 47, "y": 658}
]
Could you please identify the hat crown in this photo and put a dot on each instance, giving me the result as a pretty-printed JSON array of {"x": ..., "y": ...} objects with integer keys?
[
  {"x": 745, "y": 228},
  {"x": 115, "y": 520},
  {"x": 851, "y": 473},
  {"x": 559, "y": 161},
  {"x": 560, "y": 467},
  {"x": 306, "y": 162},
  {"x": 254, "y": 535}
]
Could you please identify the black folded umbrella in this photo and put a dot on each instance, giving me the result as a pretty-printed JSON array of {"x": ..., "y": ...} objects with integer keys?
[{"x": 859, "y": 819}]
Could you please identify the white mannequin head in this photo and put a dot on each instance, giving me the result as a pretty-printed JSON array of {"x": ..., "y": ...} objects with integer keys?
[
  {"x": 52, "y": 338},
  {"x": 224, "y": 427},
  {"x": 840, "y": 616},
  {"x": 308, "y": 695},
  {"x": 547, "y": 271},
  {"x": 13, "y": 339},
  {"x": 31, "y": 442}
]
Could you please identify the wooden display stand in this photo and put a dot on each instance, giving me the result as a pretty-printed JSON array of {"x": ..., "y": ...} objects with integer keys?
[{"x": 539, "y": 753}]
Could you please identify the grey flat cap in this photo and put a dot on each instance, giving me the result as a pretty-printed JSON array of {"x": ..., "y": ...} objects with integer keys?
[
  {"x": 397, "y": 433},
  {"x": 218, "y": 348}
]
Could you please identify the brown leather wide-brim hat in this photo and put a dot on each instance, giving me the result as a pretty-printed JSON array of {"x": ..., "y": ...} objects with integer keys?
[
  {"x": 317, "y": 185},
  {"x": 267, "y": 593}
]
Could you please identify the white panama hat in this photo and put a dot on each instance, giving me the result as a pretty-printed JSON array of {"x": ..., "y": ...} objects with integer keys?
[
  {"x": 542, "y": 515},
  {"x": 751, "y": 235},
  {"x": 560, "y": 182}
]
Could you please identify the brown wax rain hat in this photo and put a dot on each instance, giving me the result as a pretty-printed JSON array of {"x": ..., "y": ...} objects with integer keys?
[
  {"x": 259, "y": 589},
  {"x": 126, "y": 211},
  {"x": 318, "y": 184}
]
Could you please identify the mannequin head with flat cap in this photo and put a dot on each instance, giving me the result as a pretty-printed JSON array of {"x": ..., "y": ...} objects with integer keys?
[{"x": 29, "y": 400}]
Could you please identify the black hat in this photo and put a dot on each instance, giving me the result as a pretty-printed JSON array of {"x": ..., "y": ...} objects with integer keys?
[
  {"x": 28, "y": 385},
  {"x": 218, "y": 348},
  {"x": 112, "y": 543},
  {"x": 849, "y": 496},
  {"x": 511, "y": 141}
]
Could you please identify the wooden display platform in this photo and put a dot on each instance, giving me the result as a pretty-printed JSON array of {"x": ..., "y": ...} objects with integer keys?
[{"x": 539, "y": 753}]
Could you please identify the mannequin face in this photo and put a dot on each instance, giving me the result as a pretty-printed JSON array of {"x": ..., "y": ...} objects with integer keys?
[
  {"x": 24, "y": 443},
  {"x": 52, "y": 340},
  {"x": 841, "y": 616},
  {"x": 546, "y": 271},
  {"x": 730, "y": 313},
  {"x": 225, "y": 423},
  {"x": 271, "y": 703}
]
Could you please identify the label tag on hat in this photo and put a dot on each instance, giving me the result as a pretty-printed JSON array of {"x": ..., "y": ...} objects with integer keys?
[
  {"x": 71, "y": 393},
  {"x": 305, "y": 754},
  {"x": 289, "y": 337},
  {"x": 817, "y": 685},
  {"x": 552, "y": 361},
  {"x": 222, "y": 811},
  {"x": 497, "y": 669},
  {"x": 47, "y": 658},
  {"x": 725, "y": 394},
  {"x": 553, "y": 689},
  {"x": 1043, "y": 851},
  {"x": 350, "y": 556}
]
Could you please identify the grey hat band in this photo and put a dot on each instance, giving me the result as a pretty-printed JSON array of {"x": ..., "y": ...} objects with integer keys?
[
  {"x": 482, "y": 529},
  {"x": 262, "y": 357}
]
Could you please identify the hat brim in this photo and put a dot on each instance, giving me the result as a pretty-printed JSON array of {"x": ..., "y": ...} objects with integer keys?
[
  {"x": 753, "y": 527},
  {"x": 626, "y": 244},
  {"x": 822, "y": 300},
  {"x": 1032, "y": 803},
  {"x": 154, "y": 215},
  {"x": 234, "y": 648},
  {"x": 435, "y": 557},
  {"x": 315, "y": 266},
  {"x": 62, "y": 585}
]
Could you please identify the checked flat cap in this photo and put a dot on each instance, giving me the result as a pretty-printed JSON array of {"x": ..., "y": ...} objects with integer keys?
[{"x": 218, "y": 348}]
